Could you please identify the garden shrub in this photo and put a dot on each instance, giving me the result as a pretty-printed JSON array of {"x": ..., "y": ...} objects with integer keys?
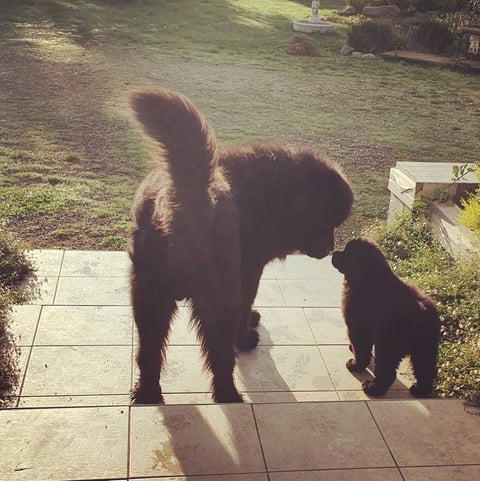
[
  {"x": 434, "y": 37},
  {"x": 14, "y": 267},
  {"x": 415, "y": 255},
  {"x": 371, "y": 37},
  {"x": 470, "y": 214}
]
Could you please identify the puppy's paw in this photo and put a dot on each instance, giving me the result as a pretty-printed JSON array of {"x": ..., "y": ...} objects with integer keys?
[
  {"x": 371, "y": 389},
  {"x": 353, "y": 366},
  {"x": 254, "y": 318},
  {"x": 141, "y": 395},
  {"x": 417, "y": 391},
  {"x": 248, "y": 341}
]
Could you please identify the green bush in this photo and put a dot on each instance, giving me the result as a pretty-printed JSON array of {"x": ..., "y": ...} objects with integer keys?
[
  {"x": 415, "y": 255},
  {"x": 14, "y": 267},
  {"x": 371, "y": 37},
  {"x": 470, "y": 214},
  {"x": 434, "y": 37}
]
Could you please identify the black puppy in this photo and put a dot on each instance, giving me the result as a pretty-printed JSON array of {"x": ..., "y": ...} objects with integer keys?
[{"x": 383, "y": 311}]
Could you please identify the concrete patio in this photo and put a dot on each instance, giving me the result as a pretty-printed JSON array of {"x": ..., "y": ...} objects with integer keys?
[{"x": 305, "y": 419}]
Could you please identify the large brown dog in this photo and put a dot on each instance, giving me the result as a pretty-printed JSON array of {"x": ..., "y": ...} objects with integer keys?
[
  {"x": 205, "y": 224},
  {"x": 381, "y": 310}
]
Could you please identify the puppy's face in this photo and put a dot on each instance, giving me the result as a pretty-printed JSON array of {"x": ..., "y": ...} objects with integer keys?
[{"x": 361, "y": 259}]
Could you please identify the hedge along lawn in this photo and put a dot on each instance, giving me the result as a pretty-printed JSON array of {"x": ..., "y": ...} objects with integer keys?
[{"x": 70, "y": 158}]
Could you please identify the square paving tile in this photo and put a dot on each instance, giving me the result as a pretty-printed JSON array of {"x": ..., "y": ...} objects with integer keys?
[
  {"x": 327, "y": 325},
  {"x": 74, "y": 401},
  {"x": 442, "y": 473},
  {"x": 429, "y": 432},
  {"x": 287, "y": 326},
  {"x": 223, "y": 477},
  {"x": 282, "y": 368},
  {"x": 335, "y": 358},
  {"x": 48, "y": 444},
  {"x": 183, "y": 371},
  {"x": 40, "y": 290},
  {"x": 176, "y": 440},
  {"x": 266, "y": 368},
  {"x": 304, "y": 436},
  {"x": 93, "y": 291},
  {"x": 181, "y": 331},
  {"x": 78, "y": 370},
  {"x": 316, "y": 293},
  {"x": 382, "y": 474},
  {"x": 289, "y": 396},
  {"x": 23, "y": 323},
  {"x": 46, "y": 262},
  {"x": 269, "y": 294},
  {"x": 96, "y": 264},
  {"x": 304, "y": 267},
  {"x": 85, "y": 325}
]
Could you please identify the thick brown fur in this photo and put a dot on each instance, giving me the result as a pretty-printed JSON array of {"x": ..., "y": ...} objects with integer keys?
[
  {"x": 383, "y": 311},
  {"x": 206, "y": 222}
]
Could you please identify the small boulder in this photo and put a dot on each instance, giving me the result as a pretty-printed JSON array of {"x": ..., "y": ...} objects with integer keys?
[
  {"x": 347, "y": 11},
  {"x": 357, "y": 54},
  {"x": 383, "y": 11},
  {"x": 346, "y": 50},
  {"x": 419, "y": 18},
  {"x": 368, "y": 55}
]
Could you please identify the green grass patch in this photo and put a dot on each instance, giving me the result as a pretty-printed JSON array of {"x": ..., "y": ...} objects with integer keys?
[{"x": 70, "y": 160}]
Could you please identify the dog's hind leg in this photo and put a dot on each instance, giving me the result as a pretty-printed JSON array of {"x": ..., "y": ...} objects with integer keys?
[
  {"x": 153, "y": 308},
  {"x": 424, "y": 363},
  {"x": 387, "y": 358},
  {"x": 216, "y": 326}
]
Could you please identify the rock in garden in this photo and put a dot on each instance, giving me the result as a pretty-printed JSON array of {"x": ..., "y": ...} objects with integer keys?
[
  {"x": 357, "y": 54},
  {"x": 346, "y": 50},
  {"x": 419, "y": 18},
  {"x": 381, "y": 11},
  {"x": 369, "y": 55},
  {"x": 347, "y": 11}
]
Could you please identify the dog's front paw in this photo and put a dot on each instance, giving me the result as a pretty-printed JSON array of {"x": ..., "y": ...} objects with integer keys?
[
  {"x": 230, "y": 396},
  {"x": 417, "y": 391},
  {"x": 353, "y": 366},
  {"x": 140, "y": 395},
  {"x": 248, "y": 341},
  {"x": 371, "y": 389}
]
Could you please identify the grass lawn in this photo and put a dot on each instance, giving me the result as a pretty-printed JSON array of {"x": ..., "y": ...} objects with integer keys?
[{"x": 71, "y": 159}]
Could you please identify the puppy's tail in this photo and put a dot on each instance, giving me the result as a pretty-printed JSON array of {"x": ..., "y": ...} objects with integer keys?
[{"x": 187, "y": 142}]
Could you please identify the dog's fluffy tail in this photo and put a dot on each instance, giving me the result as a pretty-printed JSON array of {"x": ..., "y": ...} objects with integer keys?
[{"x": 187, "y": 142}]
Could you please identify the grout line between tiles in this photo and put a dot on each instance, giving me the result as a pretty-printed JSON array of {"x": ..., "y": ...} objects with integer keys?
[
  {"x": 260, "y": 441},
  {"x": 367, "y": 404},
  {"x": 58, "y": 278},
  {"x": 27, "y": 364}
]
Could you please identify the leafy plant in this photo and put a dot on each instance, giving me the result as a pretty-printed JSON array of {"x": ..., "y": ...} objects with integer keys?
[
  {"x": 14, "y": 267},
  {"x": 470, "y": 214}
]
